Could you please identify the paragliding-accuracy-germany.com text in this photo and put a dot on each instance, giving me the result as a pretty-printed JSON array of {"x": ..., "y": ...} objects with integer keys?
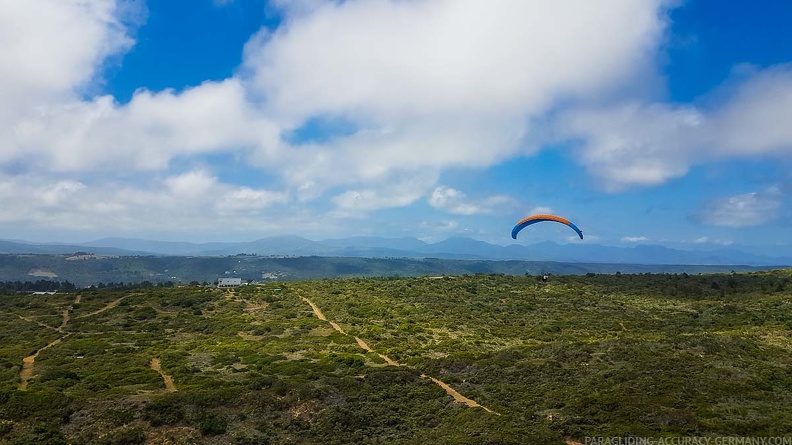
[{"x": 689, "y": 440}]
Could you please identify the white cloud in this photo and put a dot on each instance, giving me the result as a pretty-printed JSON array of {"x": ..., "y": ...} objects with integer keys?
[
  {"x": 398, "y": 194},
  {"x": 194, "y": 200},
  {"x": 647, "y": 144},
  {"x": 52, "y": 48},
  {"x": 441, "y": 83},
  {"x": 426, "y": 85},
  {"x": 454, "y": 201},
  {"x": 633, "y": 144},
  {"x": 588, "y": 239},
  {"x": 453, "y": 91},
  {"x": 749, "y": 209},
  {"x": 541, "y": 210},
  {"x": 708, "y": 240},
  {"x": 145, "y": 134},
  {"x": 634, "y": 239}
]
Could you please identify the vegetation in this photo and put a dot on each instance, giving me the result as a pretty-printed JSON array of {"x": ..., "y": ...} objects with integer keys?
[
  {"x": 122, "y": 272},
  {"x": 590, "y": 355},
  {"x": 9, "y": 287}
]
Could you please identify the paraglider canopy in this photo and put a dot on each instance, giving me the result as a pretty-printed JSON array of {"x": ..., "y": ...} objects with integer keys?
[{"x": 539, "y": 218}]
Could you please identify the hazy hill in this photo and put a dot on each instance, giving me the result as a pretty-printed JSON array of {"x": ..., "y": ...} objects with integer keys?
[
  {"x": 451, "y": 248},
  {"x": 88, "y": 271}
]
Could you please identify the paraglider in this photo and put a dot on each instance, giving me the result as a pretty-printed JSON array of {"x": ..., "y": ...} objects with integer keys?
[{"x": 539, "y": 218}]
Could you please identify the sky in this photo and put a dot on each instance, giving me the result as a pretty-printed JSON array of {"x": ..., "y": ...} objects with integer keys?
[{"x": 643, "y": 122}]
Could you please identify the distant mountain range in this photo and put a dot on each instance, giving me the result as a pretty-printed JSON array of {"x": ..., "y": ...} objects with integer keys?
[{"x": 376, "y": 247}]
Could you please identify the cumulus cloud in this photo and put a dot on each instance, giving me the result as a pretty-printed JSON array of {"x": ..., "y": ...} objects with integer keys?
[
  {"x": 644, "y": 144},
  {"x": 541, "y": 210},
  {"x": 437, "y": 58},
  {"x": 52, "y": 48},
  {"x": 145, "y": 134},
  {"x": 441, "y": 83},
  {"x": 171, "y": 203},
  {"x": 589, "y": 239},
  {"x": 708, "y": 240},
  {"x": 456, "y": 202},
  {"x": 749, "y": 209},
  {"x": 423, "y": 86},
  {"x": 634, "y": 239},
  {"x": 397, "y": 194}
]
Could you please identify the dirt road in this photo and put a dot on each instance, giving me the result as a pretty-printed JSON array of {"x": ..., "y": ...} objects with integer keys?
[
  {"x": 447, "y": 388},
  {"x": 367, "y": 348},
  {"x": 321, "y": 316}
]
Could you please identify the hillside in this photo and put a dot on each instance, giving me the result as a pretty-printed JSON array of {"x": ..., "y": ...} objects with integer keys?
[
  {"x": 91, "y": 270},
  {"x": 455, "y": 360},
  {"x": 459, "y": 248}
]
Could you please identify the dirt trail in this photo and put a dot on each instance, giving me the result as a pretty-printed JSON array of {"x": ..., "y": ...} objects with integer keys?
[
  {"x": 26, "y": 373},
  {"x": 109, "y": 306},
  {"x": 321, "y": 316},
  {"x": 456, "y": 395},
  {"x": 157, "y": 366},
  {"x": 27, "y": 365},
  {"x": 367, "y": 348},
  {"x": 43, "y": 325},
  {"x": 65, "y": 319},
  {"x": 448, "y": 389},
  {"x": 363, "y": 345}
]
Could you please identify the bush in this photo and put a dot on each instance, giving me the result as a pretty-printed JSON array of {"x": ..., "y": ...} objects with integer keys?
[
  {"x": 164, "y": 411},
  {"x": 211, "y": 425},
  {"x": 5, "y": 427},
  {"x": 133, "y": 436}
]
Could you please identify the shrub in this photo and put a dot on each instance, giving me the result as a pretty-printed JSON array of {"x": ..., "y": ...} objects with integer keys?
[
  {"x": 212, "y": 425},
  {"x": 165, "y": 411},
  {"x": 131, "y": 436}
]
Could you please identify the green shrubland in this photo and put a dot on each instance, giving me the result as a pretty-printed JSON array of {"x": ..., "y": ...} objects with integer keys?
[{"x": 598, "y": 355}]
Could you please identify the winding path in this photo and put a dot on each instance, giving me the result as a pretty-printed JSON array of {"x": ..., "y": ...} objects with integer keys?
[
  {"x": 26, "y": 373},
  {"x": 27, "y": 364},
  {"x": 156, "y": 365},
  {"x": 109, "y": 306},
  {"x": 43, "y": 325},
  {"x": 447, "y": 388}
]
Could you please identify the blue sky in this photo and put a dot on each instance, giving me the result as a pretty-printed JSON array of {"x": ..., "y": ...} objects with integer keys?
[{"x": 654, "y": 122}]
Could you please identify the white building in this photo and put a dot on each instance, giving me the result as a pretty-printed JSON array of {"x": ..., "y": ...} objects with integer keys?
[{"x": 229, "y": 282}]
